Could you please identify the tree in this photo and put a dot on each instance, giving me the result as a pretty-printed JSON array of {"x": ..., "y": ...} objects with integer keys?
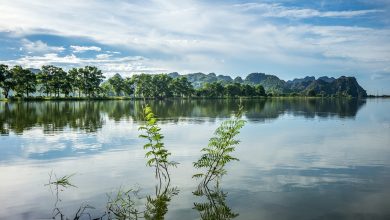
[
  {"x": 117, "y": 83},
  {"x": 25, "y": 81},
  {"x": 75, "y": 80},
  {"x": 260, "y": 90},
  {"x": 7, "y": 81},
  {"x": 212, "y": 90},
  {"x": 53, "y": 80},
  {"x": 66, "y": 86},
  {"x": 233, "y": 89},
  {"x": 128, "y": 86},
  {"x": 160, "y": 86},
  {"x": 3, "y": 69},
  {"x": 90, "y": 78},
  {"x": 181, "y": 87},
  {"x": 248, "y": 90},
  {"x": 143, "y": 84}
]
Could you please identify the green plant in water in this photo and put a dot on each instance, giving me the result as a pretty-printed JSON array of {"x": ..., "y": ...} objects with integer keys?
[
  {"x": 157, "y": 154},
  {"x": 218, "y": 152}
]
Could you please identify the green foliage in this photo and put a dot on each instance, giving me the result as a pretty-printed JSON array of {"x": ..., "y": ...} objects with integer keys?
[
  {"x": 3, "y": 72},
  {"x": 157, "y": 154},
  {"x": 54, "y": 80},
  {"x": 24, "y": 81},
  {"x": 218, "y": 152},
  {"x": 128, "y": 86},
  {"x": 91, "y": 77},
  {"x": 117, "y": 84},
  {"x": 7, "y": 81},
  {"x": 181, "y": 87}
]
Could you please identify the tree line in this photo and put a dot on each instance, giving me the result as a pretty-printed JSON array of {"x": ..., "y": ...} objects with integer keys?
[{"x": 89, "y": 81}]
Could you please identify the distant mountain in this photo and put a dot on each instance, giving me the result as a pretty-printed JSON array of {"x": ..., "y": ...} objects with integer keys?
[
  {"x": 309, "y": 85},
  {"x": 271, "y": 83},
  {"x": 341, "y": 86},
  {"x": 298, "y": 85},
  {"x": 198, "y": 79},
  {"x": 35, "y": 71}
]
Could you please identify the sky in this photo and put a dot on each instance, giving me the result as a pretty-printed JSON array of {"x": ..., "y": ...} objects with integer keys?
[{"x": 287, "y": 38}]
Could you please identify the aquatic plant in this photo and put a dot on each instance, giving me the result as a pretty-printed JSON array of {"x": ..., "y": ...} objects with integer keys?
[
  {"x": 218, "y": 152},
  {"x": 157, "y": 154}
]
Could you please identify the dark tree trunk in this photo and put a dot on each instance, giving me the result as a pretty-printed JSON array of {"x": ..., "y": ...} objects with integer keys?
[{"x": 6, "y": 93}]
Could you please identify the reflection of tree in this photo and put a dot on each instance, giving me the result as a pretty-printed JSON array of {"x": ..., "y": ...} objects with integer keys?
[{"x": 88, "y": 115}]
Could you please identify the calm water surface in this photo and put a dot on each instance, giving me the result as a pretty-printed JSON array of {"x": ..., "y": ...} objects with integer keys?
[{"x": 299, "y": 159}]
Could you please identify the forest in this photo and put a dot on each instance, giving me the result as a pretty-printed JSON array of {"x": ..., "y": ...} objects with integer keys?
[{"x": 90, "y": 82}]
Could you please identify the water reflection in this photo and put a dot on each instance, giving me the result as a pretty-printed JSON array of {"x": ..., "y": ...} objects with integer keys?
[
  {"x": 88, "y": 116},
  {"x": 214, "y": 204}
]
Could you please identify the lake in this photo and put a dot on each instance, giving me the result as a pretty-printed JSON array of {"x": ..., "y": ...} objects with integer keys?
[{"x": 298, "y": 158}]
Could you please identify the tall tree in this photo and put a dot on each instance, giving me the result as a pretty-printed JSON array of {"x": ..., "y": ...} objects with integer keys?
[
  {"x": 160, "y": 86},
  {"x": 117, "y": 83},
  {"x": 181, "y": 87},
  {"x": 233, "y": 89},
  {"x": 128, "y": 87},
  {"x": 25, "y": 81},
  {"x": 76, "y": 81},
  {"x": 144, "y": 85},
  {"x": 52, "y": 79},
  {"x": 260, "y": 91},
  {"x": 7, "y": 81},
  {"x": 66, "y": 86},
  {"x": 248, "y": 90},
  {"x": 91, "y": 77}
]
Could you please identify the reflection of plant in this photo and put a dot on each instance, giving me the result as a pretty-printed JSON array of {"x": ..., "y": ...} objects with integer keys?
[
  {"x": 215, "y": 207},
  {"x": 124, "y": 205},
  {"x": 157, "y": 154},
  {"x": 217, "y": 153},
  {"x": 157, "y": 207},
  {"x": 60, "y": 184}
]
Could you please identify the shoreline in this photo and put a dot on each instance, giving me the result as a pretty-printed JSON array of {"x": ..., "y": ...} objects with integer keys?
[{"x": 119, "y": 98}]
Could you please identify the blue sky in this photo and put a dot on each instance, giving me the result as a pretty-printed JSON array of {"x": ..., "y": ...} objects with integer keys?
[{"x": 290, "y": 39}]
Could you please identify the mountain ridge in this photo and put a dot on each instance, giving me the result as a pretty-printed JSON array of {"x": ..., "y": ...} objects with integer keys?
[{"x": 309, "y": 85}]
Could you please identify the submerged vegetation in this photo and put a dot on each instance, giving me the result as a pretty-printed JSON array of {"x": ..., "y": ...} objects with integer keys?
[{"x": 129, "y": 204}]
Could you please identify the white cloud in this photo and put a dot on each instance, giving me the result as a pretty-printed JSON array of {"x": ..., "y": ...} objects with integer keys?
[
  {"x": 80, "y": 49},
  {"x": 277, "y": 10},
  {"x": 103, "y": 56},
  {"x": 38, "y": 47},
  {"x": 188, "y": 36},
  {"x": 125, "y": 65}
]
